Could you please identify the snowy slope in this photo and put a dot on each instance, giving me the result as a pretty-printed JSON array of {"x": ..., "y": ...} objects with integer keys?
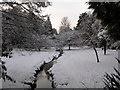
[
  {"x": 79, "y": 69},
  {"x": 22, "y": 65}
]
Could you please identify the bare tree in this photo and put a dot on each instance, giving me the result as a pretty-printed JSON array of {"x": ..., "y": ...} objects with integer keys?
[
  {"x": 65, "y": 32},
  {"x": 65, "y": 25}
]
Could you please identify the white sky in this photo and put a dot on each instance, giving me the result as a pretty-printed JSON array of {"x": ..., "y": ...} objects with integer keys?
[
  {"x": 70, "y": 8},
  {"x": 62, "y": 8}
]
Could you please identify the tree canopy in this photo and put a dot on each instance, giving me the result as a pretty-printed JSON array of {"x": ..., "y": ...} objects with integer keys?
[
  {"x": 24, "y": 26},
  {"x": 109, "y": 13}
]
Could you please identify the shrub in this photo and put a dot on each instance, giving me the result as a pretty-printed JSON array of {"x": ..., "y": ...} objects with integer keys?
[{"x": 112, "y": 81}]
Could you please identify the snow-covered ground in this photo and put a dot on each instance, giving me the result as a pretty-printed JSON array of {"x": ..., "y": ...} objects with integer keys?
[
  {"x": 22, "y": 65},
  {"x": 78, "y": 68}
]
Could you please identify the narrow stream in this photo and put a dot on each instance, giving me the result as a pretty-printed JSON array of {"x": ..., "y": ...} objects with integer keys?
[{"x": 44, "y": 79}]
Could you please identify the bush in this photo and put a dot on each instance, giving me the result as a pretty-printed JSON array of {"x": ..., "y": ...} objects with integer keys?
[
  {"x": 112, "y": 81},
  {"x": 116, "y": 45}
]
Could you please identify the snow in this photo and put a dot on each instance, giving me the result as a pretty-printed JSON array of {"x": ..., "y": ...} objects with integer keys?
[
  {"x": 21, "y": 67},
  {"x": 76, "y": 68},
  {"x": 79, "y": 69}
]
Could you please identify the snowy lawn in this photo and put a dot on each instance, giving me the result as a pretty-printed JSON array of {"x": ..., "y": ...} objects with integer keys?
[
  {"x": 78, "y": 68},
  {"x": 21, "y": 67}
]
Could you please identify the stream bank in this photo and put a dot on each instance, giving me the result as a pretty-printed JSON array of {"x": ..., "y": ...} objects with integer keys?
[{"x": 43, "y": 77}]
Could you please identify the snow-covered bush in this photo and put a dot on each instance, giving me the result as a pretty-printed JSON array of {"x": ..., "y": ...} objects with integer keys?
[{"x": 116, "y": 45}]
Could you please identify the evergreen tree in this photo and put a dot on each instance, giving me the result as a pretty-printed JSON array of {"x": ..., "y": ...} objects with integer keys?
[
  {"x": 23, "y": 27},
  {"x": 109, "y": 13},
  {"x": 48, "y": 27}
]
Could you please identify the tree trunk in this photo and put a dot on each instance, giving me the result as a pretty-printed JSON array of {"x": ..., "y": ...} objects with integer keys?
[
  {"x": 104, "y": 45},
  {"x": 105, "y": 49},
  {"x": 95, "y": 52},
  {"x": 69, "y": 46}
]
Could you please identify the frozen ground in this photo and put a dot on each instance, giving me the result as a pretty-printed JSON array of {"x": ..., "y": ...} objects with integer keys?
[
  {"x": 78, "y": 68},
  {"x": 22, "y": 65}
]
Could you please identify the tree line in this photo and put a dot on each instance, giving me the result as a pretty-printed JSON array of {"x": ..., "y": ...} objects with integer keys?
[{"x": 24, "y": 26}]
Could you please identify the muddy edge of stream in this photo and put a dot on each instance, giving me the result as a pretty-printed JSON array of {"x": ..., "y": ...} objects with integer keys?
[{"x": 45, "y": 66}]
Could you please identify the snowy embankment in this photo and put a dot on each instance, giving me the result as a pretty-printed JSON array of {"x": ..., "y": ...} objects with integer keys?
[
  {"x": 79, "y": 69},
  {"x": 21, "y": 67}
]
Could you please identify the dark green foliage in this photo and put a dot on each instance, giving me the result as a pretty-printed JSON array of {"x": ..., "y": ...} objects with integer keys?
[
  {"x": 112, "y": 81},
  {"x": 109, "y": 13}
]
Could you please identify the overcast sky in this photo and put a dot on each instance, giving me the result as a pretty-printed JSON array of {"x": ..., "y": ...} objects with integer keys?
[
  {"x": 62, "y": 8},
  {"x": 70, "y": 8}
]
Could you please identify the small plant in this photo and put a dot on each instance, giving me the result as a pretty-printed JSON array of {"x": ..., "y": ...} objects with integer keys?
[{"x": 112, "y": 81}]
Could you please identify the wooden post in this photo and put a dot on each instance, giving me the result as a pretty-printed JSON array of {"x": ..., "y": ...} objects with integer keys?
[{"x": 119, "y": 59}]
